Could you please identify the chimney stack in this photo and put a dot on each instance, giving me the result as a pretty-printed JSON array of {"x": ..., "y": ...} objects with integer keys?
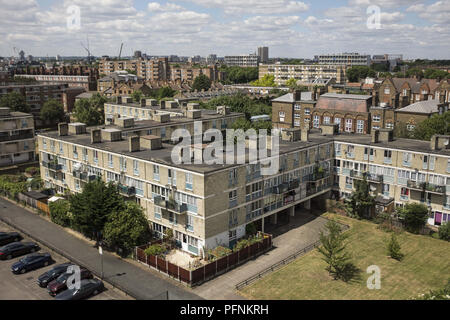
[
  {"x": 63, "y": 129},
  {"x": 305, "y": 134},
  {"x": 134, "y": 144},
  {"x": 96, "y": 136}
]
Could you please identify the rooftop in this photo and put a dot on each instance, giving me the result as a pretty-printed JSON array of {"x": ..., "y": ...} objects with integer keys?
[
  {"x": 289, "y": 97},
  {"x": 425, "y": 107}
]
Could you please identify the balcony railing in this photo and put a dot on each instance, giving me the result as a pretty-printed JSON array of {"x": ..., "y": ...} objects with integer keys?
[
  {"x": 16, "y": 137},
  {"x": 126, "y": 190},
  {"x": 425, "y": 186},
  {"x": 369, "y": 176},
  {"x": 52, "y": 166},
  {"x": 170, "y": 205}
]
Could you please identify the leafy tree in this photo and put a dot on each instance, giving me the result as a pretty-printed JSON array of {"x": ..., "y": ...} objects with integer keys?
[
  {"x": 235, "y": 75},
  {"x": 394, "y": 249},
  {"x": 53, "y": 111},
  {"x": 267, "y": 81},
  {"x": 127, "y": 227},
  {"x": 250, "y": 229},
  {"x": 356, "y": 73},
  {"x": 59, "y": 212},
  {"x": 90, "y": 111},
  {"x": 444, "y": 231},
  {"x": 137, "y": 96},
  {"x": 436, "y": 124},
  {"x": 165, "y": 92},
  {"x": 333, "y": 250},
  {"x": 202, "y": 82},
  {"x": 360, "y": 202},
  {"x": 92, "y": 207},
  {"x": 15, "y": 102},
  {"x": 401, "y": 130},
  {"x": 414, "y": 215},
  {"x": 131, "y": 71}
]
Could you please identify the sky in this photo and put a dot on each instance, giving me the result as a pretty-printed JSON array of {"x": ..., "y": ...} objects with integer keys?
[{"x": 294, "y": 29}]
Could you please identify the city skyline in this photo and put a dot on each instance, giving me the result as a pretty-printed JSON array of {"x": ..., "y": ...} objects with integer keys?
[{"x": 192, "y": 27}]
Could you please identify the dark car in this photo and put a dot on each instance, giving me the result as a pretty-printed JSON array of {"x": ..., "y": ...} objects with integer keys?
[
  {"x": 45, "y": 278},
  {"x": 88, "y": 288},
  {"x": 32, "y": 262},
  {"x": 60, "y": 284},
  {"x": 17, "y": 249},
  {"x": 8, "y": 237}
]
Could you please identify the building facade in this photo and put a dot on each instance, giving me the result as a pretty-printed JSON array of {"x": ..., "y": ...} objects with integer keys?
[
  {"x": 245, "y": 60},
  {"x": 346, "y": 59},
  {"x": 17, "y": 141},
  {"x": 302, "y": 73}
]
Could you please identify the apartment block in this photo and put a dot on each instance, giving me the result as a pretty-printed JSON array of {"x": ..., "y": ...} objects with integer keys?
[
  {"x": 17, "y": 141},
  {"x": 346, "y": 59},
  {"x": 245, "y": 60},
  {"x": 156, "y": 69},
  {"x": 302, "y": 73}
]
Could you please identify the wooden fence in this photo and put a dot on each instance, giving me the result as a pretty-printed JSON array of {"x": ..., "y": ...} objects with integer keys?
[{"x": 205, "y": 272}]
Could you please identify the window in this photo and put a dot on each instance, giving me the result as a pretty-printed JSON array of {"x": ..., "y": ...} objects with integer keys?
[
  {"x": 189, "y": 181},
  {"x": 157, "y": 212},
  {"x": 297, "y": 123},
  {"x": 307, "y": 111},
  {"x": 190, "y": 223},
  {"x": 410, "y": 127},
  {"x": 376, "y": 118},
  {"x": 233, "y": 218},
  {"x": 404, "y": 194},
  {"x": 95, "y": 152},
  {"x": 337, "y": 149},
  {"x": 407, "y": 159},
  {"x": 316, "y": 121},
  {"x": 232, "y": 198},
  {"x": 348, "y": 125},
  {"x": 297, "y": 107},
  {"x": 388, "y": 156},
  {"x": 389, "y": 125},
  {"x": 405, "y": 92},
  {"x": 75, "y": 152},
  {"x": 61, "y": 148},
  {"x": 281, "y": 114},
  {"x": 136, "y": 167},
  {"x": 326, "y": 120},
  {"x": 110, "y": 160},
  {"x": 85, "y": 154},
  {"x": 172, "y": 177},
  {"x": 448, "y": 166},
  {"x": 350, "y": 151},
  {"x": 123, "y": 164},
  {"x": 297, "y": 115},
  {"x": 360, "y": 126},
  {"x": 163, "y": 132},
  {"x": 156, "y": 172},
  {"x": 387, "y": 90},
  {"x": 386, "y": 188},
  {"x": 44, "y": 144}
]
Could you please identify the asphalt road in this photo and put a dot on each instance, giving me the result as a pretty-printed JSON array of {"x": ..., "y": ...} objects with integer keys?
[
  {"x": 139, "y": 283},
  {"x": 25, "y": 287}
]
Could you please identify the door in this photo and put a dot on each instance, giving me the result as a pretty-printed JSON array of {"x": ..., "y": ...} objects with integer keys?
[{"x": 438, "y": 218}]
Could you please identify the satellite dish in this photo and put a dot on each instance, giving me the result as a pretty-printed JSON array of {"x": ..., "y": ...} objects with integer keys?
[{"x": 447, "y": 141}]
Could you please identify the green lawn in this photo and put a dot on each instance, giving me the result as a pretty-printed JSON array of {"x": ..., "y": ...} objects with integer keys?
[{"x": 426, "y": 266}]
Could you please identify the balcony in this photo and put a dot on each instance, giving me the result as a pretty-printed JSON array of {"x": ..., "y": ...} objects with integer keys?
[
  {"x": 83, "y": 176},
  {"x": 387, "y": 160},
  {"x": 369, "y": 176},
  {"x": 52, "y": 166},
  {"x": 24, "y": 136},
  {"x": 127, "y": 191},
  {"x": 427, "y": 187},
  {"x": 253, "y": 176},
  {"x": 170, "y": 205}
]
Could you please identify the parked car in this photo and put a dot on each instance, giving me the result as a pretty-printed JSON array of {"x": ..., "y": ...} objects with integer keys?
[
  {"x": 9, "y": 237},
  {"x": 17, "y": 249},
  {"x": 60, "y": 284},
  {"x": 31, "y": 262},
  {"x": 45, "y": 278},
  {"x": 88, "y": 288}
]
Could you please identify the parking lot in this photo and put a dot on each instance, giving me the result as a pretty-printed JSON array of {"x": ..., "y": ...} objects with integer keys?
[{"x": 25, "y": 287}]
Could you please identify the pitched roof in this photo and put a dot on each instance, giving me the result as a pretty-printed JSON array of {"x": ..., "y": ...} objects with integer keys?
[
  {"x": 426, "y": 107},
  {"x": 344, "y": 102},
  {"x": 289, "y": 97}
]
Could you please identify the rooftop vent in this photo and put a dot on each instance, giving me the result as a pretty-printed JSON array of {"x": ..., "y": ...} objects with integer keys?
[
  {"x": 96, "y": 136},
  {"x": 440, "y": 142},
  {"x": 77, "y": 128},
  {"x": 134, "y": 144},
  {"x": 151, "y": 142},
  {"x": 63, "y": 129}
]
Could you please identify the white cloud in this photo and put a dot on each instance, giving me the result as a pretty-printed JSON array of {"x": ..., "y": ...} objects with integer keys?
[
  {"x": 438, "y": 12},
  {"x": 157, "y": 7},
  {"x": 255, "y": 6}
]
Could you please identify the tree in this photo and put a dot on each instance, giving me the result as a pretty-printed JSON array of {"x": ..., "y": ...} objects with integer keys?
[
  {"x": 436, "y": 124},
  {"x": 268, "y": 80},
  {"x": 360, "y": 202},
  {"x": 394, "y": 249},
  {"x": 291, "y": 83},
  {"x": 444, "y": 231},
  {"x": 202, "y": 82},
  {"x": 53, "y": 111},
  {"x": 59, "y": 212},
  {"x": 92, "y": 207},
  {"x": 137, "y": 96},
  {"x": 333, "y": 250},
  {"x": 235, "y": 74},
  {"x": 15, "y": 102},
  {"x": 414, "y": 215},
  {"x": 356, "y": 73},
  {"x": 127, "y": 227},
  {"x": 91, "y": 111},
  {"x": 441, "y": 294},
  {"x": 165, "y": 92}
]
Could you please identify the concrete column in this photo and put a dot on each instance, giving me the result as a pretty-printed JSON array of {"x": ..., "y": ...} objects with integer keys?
[
  {"x": 262, "y": 225},
  {"x": 275, "y": 218},
  {"x": 307, "y": 204},
  {"x": 292, "y": 211}
]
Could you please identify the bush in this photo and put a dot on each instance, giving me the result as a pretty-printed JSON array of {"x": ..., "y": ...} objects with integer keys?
[
  {"x": 218, "y": 252},
  {"x": 59, "y": 213},
  {"x": 11, "y": 185},
  {"x": 250, "y": 229},
  {"x": 444, "y": 232},
  {"x": 394, "y": 248},
  {"x": 155, "y": 250},
  {"x": 32, "y": 171},
  {"x": 241, "y": 244}
]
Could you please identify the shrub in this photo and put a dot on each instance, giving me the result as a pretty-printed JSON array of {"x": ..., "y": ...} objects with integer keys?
[
  {"x": 155, "y": 250},
  {"x": 59, "y": 213},
  {"x": 444, "y": 232},
  {"x": 32, "y": 171},
  {"x": 241, "y": 244},
  {"x": 394, "y": 248},
  {"x": 220, "y": 252}
]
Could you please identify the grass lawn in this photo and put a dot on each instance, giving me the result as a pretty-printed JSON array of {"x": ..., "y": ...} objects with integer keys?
[{"x": 426, "y": 266}]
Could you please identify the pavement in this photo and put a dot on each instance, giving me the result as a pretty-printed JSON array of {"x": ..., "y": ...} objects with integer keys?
[
  {"x": 300, "y": 232},
  {"x": 140, "y": 283},
  {"x": 25, "y": 287}
]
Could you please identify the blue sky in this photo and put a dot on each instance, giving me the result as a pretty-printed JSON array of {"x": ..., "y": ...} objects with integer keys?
[{"x": 290, "y": 28}]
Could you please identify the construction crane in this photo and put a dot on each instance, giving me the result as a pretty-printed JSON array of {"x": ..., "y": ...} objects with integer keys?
[
  {"x": 120, "y": 53},
  {"x": 87, "y": 49}
]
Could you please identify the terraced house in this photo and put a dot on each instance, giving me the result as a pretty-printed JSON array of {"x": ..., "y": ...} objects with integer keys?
[{"x": 211, "y": 205}]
